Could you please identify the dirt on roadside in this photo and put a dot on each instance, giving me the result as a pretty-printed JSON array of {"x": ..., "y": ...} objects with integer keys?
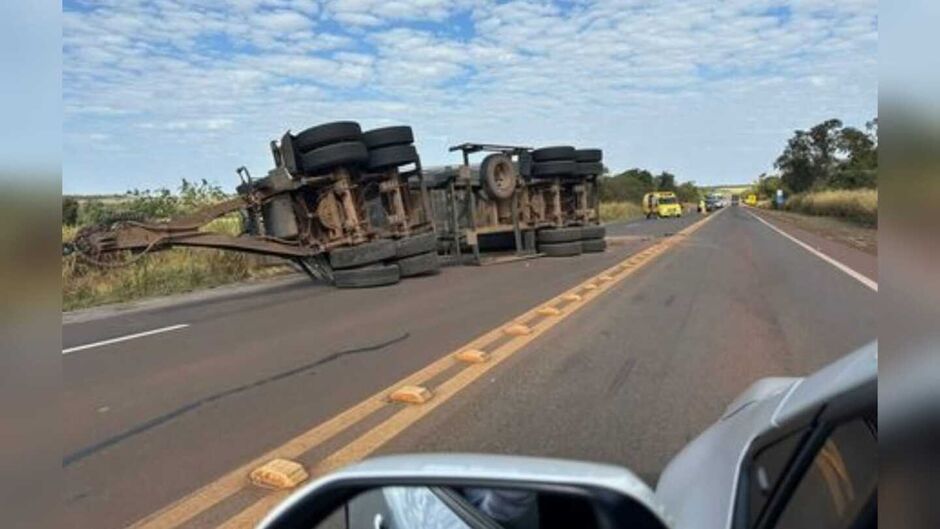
[{"x": 851, "y": 234}]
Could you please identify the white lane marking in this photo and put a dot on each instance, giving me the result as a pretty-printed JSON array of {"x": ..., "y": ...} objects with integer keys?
[
  {"x": 855, "y": 275},
  {"x": 124, "y": 338}
]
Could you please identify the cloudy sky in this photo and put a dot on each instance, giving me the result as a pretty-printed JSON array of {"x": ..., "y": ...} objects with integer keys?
[{"x": 159, "y": 90}]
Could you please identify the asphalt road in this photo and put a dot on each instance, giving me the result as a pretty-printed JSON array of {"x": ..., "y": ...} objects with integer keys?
[{"x": 628, "y": 379}]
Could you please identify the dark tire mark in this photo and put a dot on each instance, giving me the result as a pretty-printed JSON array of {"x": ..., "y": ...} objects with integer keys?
[{"x": 82, "y": 453}]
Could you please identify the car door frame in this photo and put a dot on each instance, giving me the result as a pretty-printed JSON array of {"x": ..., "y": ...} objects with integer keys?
[{"x": 819, "y": 422}]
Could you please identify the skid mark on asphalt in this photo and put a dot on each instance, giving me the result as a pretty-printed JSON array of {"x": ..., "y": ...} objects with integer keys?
[
  {"x": 78, "y": 455},
  {"x": 621, "y": 377}
]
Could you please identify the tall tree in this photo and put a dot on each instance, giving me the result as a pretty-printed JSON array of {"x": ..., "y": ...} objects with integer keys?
[{"x": 665, "y": 181}]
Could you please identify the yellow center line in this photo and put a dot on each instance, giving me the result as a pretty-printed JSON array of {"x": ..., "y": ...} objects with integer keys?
[{"x": 190, "y": 506}]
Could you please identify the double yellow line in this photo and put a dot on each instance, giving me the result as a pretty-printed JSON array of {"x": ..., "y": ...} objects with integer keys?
[{"x": 496, "y": 346}]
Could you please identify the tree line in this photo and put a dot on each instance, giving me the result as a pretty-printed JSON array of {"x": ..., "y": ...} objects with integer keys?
[
  {"x": 632, "y": 184},
  {"x": 158, "y": 203},
  {"x": 829, "y": 155}
]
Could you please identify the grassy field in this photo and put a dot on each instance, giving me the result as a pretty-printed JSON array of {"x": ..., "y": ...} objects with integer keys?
[
  {"x": 160, "y": 273},
  {"x": 856, "y": 205},
  {"x": 614, "y": 211}
]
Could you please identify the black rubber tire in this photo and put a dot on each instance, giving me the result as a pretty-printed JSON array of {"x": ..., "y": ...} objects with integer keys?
[
  {"x": 593, "y": 245},
  {"x": 561, "y": 249},
  {"x": 498, "y": 176},
  {"x": 557, "y": 235},
  {"x": 367, "y": 276},
  {"x": 424, "y": 263},
  {"x": 551, "y": 169},
  {"x": 327, "y": 134},
  {"x": 551, "y": 154},
  {"x": 593, "y": 232},
  {"x": 392, "y": 156},
  {"x": 349, "y": 153},
  {"x": 362, "y": 254},
  {"x": 385, "y": 136},
  {"x": 588, "y": 155},
  {"x": 590, "y": 168},
  {"x": 414, "y": 245}
]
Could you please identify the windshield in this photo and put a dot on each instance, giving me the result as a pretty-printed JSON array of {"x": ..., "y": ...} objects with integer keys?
[{"x": 306, "y": 232}]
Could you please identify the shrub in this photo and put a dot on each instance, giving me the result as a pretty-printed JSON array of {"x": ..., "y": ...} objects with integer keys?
[
  {"x": 69, "y": 211},
  {"x": 612, "y": 211},
  {"x": 857, "y": 205}
]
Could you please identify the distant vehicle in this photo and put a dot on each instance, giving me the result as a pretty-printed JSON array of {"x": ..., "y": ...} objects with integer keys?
[
  {"x": 713, "y": 202},
  {"x": 661, "y": 204},
  {"x": 788, "y": 452},
  {"x": 751, "y": 200},
  {"x": 735, "y": 199}
]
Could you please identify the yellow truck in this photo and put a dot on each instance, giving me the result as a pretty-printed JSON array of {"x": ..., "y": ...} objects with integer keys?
[{"x": 661, "y": 204}]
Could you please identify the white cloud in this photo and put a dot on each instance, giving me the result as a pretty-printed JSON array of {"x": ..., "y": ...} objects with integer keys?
[{"x": 665, "y": 85}]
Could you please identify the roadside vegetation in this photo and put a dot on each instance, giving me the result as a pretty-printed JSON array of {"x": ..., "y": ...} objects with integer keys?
[
  {"x": 160, "y": 273},
  {"x": 622, "y": 210},
  {"x": 828, "y": 170},
  {"x": 621, "y": 194},
  {"x": 857, "y": 205}
]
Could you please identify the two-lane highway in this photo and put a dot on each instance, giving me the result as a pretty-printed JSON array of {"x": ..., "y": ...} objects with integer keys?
[
  {"x": 628, "y": 378},
  {"x": 151, "y": 416}
]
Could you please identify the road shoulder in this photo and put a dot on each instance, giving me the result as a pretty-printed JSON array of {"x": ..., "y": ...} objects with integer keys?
[{"x": 853, "y": 246}]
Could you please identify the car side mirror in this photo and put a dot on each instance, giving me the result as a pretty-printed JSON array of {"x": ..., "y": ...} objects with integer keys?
[{"x": 471, "y": 491}]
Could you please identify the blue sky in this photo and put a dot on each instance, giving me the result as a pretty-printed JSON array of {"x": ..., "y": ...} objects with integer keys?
[{"x": 159, "y": 90}]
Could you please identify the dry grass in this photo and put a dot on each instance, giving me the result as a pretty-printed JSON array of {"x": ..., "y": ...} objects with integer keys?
[
  {"x": 161, "y": 273},
  {"x": 857, "y": 205},
  {"x": 614, "y": 211}
]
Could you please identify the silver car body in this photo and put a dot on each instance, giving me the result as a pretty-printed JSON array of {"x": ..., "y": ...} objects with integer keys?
[{"x": 698, "y": 487}]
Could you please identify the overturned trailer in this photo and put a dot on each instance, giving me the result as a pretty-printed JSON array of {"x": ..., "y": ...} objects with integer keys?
[
  {"x": 528, "y": 201},
  {"x": 346, "y": 206}
]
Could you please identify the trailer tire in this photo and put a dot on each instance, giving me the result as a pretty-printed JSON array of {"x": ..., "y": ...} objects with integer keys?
[
  {"x": 367, "y": 276},
  {"x": 551, "y": 154},
  {"x": 416, "y": 244},
  {"x": 561, "y": 249},
  {"x": 593, "y": 232},
  {"x": 385, "y": 136},
  {"x": 362, "y": 254},
  {"x": 392, "y": 156},
  {"x": 551, "y": 169},
  {"x": 588, "y": 155},
  {"x": 590, "y": 168},
  {"x": 557, "y": 235},
  {"x": 424, "y": 263},
  {"x": 498, "y": 176},
  {"x": 593, "y": 245},
  {"x": 327, "y": 134},
  {"x": 324, "y": 159}
]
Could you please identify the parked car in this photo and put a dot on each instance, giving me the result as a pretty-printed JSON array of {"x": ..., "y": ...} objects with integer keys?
[{"x": 787, "y": 453}]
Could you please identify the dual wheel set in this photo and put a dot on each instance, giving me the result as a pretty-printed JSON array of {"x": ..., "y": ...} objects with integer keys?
[
  {"x": 571, "y": 241},
  {"x": 384, "y": 261},
  {"x": 566, "y": 162},
  {"x": 324, "y": 148}
]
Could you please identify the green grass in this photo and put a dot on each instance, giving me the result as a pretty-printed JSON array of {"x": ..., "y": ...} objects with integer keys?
[
  {"x": 160, "y": 273},
  {"x": 614, "y": 211},
  {"x": 856, "y": 205}
]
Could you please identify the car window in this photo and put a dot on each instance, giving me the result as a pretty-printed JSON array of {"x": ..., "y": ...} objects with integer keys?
[
  {"x": 400, "y": 508},
  {"x": 838, "y": 484},
  {"x": 766, "y": 468}
]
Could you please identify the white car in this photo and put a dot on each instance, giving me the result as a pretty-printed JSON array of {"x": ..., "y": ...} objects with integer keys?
[{"x": 787, "y": 453}]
